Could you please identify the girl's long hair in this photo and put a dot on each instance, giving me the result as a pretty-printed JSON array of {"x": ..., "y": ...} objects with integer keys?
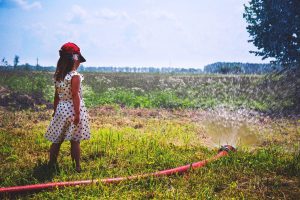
[{"x": 64, "y": 65}]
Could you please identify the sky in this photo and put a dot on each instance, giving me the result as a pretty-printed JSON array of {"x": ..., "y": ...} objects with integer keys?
[{"x": 137, "y": 33}]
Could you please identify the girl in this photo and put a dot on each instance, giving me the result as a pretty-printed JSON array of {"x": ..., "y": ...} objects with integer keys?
[{"x": 70, "y": 117}]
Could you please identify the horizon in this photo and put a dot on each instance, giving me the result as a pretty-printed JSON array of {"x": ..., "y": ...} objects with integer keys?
[
  {"x": 147, "y": 33},
  {"x": 156, "y": 67}
]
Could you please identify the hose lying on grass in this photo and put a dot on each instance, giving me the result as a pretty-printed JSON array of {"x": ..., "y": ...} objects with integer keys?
[{"x": 18, "y": 189}]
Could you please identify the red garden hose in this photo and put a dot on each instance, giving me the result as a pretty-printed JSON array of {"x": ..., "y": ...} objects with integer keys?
[{"x": 16, "y": 189}]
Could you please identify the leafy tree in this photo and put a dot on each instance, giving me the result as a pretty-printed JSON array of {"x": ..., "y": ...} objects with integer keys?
[
  {"x": 274, "y": 27},
  {"x": 16, "y": 60}
]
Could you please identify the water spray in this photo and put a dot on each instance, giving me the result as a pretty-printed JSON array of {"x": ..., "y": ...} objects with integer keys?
[{"x": 223, "y": 151}]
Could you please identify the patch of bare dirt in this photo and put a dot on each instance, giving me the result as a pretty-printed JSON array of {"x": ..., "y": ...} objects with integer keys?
[{"x": 19, "y": 101}]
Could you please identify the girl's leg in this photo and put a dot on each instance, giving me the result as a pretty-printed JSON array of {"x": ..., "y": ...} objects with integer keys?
[
  {"x": 75, "y": 154},
  {"x": 54, "y": 150}
]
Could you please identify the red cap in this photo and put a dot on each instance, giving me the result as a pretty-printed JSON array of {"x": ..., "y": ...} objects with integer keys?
[{"x": 71, "y": 48}]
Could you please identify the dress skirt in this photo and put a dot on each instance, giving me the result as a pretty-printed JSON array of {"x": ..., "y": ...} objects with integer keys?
[{"x": 61, "y": 126}]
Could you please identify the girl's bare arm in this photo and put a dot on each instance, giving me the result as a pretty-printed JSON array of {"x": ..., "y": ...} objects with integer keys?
[{"x": 75, "y": 85}]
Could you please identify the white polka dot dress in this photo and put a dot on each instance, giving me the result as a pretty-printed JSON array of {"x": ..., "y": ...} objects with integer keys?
[{"x": 61, "y": 126}]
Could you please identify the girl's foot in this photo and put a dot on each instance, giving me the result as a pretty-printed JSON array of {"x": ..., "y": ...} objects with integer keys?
[
  {"x": 53, "y": 166},
  {"x": 78, "y": 169}
]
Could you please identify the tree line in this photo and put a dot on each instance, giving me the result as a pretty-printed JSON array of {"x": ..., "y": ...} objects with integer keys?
[
  {"x": 215, "y": 68},
  {"x": 240, "y": 68}
]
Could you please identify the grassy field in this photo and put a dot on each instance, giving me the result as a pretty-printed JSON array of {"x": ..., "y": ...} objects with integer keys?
[
  {"x": 162, "y": 90},
  {"x": 127, "y": 141}
]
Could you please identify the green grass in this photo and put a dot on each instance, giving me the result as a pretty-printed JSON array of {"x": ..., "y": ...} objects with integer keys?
[
  {"x": 127, "y": 140},
  {"x": 123, "y": 144}
]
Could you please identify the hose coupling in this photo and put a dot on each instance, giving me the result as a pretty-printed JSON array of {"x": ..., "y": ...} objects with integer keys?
[{"x": 227, "y": 148}]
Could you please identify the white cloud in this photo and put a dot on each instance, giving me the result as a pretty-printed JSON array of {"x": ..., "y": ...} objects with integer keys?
[
  {"x": 158, "y": 30},
  {"x": 78, "y": 15},
  {"x": 108, "y": 14},
  {"x": 25, "y": 5},
  {"x": 158, "y": 15}
]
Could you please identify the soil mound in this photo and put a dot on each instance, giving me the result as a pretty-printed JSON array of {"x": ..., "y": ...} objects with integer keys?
[{"x": 17, "y": 100}]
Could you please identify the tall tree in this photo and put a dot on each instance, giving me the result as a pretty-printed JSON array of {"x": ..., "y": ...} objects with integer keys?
[
  {"x": 16, "y": 60},
  {"x": 274, "y": 27}
]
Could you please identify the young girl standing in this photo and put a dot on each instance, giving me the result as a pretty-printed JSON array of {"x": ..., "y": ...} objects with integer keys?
[{"x": 70, "y": 117}]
